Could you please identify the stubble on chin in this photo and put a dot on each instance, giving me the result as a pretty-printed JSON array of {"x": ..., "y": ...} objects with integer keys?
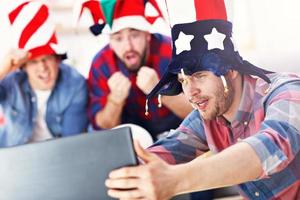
[
  {"x": 208, "y": 113},
  {"x": 217, "y": 105},
  {"x": 133, "y": 68}
]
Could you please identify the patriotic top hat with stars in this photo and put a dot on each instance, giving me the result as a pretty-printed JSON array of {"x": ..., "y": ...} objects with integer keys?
[
  {"x": 201, "y": 37},
  {"x": 32, "y": 30},
  {"x": 118, "y": 14}
]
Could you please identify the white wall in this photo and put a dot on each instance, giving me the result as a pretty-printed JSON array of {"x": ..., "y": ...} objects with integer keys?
[{"x": 266, "y": 32}]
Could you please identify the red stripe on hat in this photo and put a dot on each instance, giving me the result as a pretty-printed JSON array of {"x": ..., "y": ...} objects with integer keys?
[
  {"x": 129, "y": 8},
  {"x": 40, "y": 51},
  {"x": 45, "y": 49},
  {"x": 210, "y": 9},
  {"x": 53, "y": 39},
  {"x": 152, "y": 19},
  {"x": 13, "y": 14},
  {"x": 95, "y": 9},
  {"x": 40, "y": 17}
]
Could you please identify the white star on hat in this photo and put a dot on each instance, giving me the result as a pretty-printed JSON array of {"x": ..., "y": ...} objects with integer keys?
[
  {"x": 183, "y": 42},
  {"x": 215, "y": 39}
]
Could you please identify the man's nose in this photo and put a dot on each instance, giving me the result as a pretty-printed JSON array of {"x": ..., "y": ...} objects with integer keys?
[
  {"x": 127, "y": 43},
  {"x": 191, "y": 89},
  {"x": 42, "y": 65}
]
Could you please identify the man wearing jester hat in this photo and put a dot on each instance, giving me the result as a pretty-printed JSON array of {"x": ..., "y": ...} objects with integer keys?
[
  {"x": 247, "y": 117},
  {"x": 127, "y": 69},
  {"x": 40, "y": 97}
]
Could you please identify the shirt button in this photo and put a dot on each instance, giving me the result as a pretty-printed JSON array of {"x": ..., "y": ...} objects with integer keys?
[
  {"x": 245, "y": 123},
  {"x": 267, "y": 90},
  {"x": 33, "y": 99},
  {"x": 58, "y": 119},
  {"x": 14, "y": 113},
  {"x": 256, "y": 194}
]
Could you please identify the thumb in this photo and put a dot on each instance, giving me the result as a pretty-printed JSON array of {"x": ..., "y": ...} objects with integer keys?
[{"x": 142, "y": 153}]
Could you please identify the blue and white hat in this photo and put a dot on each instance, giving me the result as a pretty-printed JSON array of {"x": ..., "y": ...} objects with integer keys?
[{"x": 201, "y": 37}]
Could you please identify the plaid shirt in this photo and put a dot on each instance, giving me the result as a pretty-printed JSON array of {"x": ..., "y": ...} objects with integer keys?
[
  {"x": 268, "y": 120},
  {"x": 106, "y": 63}
]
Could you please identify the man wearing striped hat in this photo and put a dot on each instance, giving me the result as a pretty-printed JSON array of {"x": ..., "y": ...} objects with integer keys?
[
  {"x": 127, "y": 69},
  {"x": 40, "y": 97},
  {"x": 246, "y": 116}
]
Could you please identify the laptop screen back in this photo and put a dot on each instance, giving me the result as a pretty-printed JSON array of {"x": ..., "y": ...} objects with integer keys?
[{"x": 72, "y": 168}]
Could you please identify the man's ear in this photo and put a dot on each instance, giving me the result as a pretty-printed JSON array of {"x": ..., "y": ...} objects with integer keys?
[
  {"x": 148, "y": 36},
  {"x": 23, "y": 67},
  {"x": 58, "y": 58},
  {"x": 109, "y": 44},
  {"x": 233, "y": 74},
  {"x": 109, "y": 40}
]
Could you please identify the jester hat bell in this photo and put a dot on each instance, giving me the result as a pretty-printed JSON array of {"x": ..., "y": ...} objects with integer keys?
[{"x": 201, "y": 40}]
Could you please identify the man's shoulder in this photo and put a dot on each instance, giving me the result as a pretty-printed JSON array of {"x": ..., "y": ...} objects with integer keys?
[
  {"x": 280, "y": 83},
  {"x": 282, "y": 79},
  {"x": 105, "y": 53},
  {"x": 69, "y": 73},
  {"x": 157, "y": 38},
  {"x": 104, "y": 58},
  {"x": 69, "y": 82},
  {"x": 161, "y": 45},
  {"x": 16, "y": 77},
  {"x": 161, "y": 37}
]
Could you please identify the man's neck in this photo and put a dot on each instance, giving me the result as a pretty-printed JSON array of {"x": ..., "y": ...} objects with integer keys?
[
  {"x": 238, "y": 88},
  {"x": 146, "y": 55}
]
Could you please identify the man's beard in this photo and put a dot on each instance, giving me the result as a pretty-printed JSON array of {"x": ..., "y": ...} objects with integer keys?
[
  {"x": 137, "y": 66},
  {"x": 221, "y": 102}
]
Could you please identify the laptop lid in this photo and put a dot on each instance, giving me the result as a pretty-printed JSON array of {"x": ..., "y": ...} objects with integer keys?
[{"x": 72, "y": 168}]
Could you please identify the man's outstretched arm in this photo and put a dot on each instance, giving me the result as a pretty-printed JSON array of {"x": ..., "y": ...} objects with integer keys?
[{"x": 158, "y": 180}]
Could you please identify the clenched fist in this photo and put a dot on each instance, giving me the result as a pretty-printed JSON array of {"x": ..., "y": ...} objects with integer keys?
[
  {"x": 146, "y": 79},
  {"x": 119, "y": 86},
  {"x": 13, "y": 60}
]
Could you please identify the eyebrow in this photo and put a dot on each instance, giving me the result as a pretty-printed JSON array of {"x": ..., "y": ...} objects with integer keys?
[
  {"x": 114, "y": 35},
  {"x": 199, "y": 72}
]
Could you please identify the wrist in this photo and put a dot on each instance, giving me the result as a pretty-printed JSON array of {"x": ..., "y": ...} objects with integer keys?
[
  {"x": 187, "y": 185},
  {"x": 180, "y": 185},
  {"x": 115, "y": 101},
  {"x": 3, "y": 72}
]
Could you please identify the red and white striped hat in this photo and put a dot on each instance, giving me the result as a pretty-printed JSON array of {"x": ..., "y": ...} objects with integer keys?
[
  {"x": 33, "y": 31},
  {"x": 119, "y": 14}
]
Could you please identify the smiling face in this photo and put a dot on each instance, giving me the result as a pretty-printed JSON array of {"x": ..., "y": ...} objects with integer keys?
[
  {"x": 42, "y": 72},
  {"x": 130, "y": 46},
  {"x": 206, "y": 93}
]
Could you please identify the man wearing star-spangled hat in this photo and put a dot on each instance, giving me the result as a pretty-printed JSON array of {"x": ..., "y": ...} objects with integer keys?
[{"x": 247, "y": 117}]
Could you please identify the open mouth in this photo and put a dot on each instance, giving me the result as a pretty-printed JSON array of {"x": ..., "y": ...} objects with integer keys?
[
  {"x": 45, "y": 77},
  {"x": 131, "y": 58},
  {"x": 200, "y": 104}
]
